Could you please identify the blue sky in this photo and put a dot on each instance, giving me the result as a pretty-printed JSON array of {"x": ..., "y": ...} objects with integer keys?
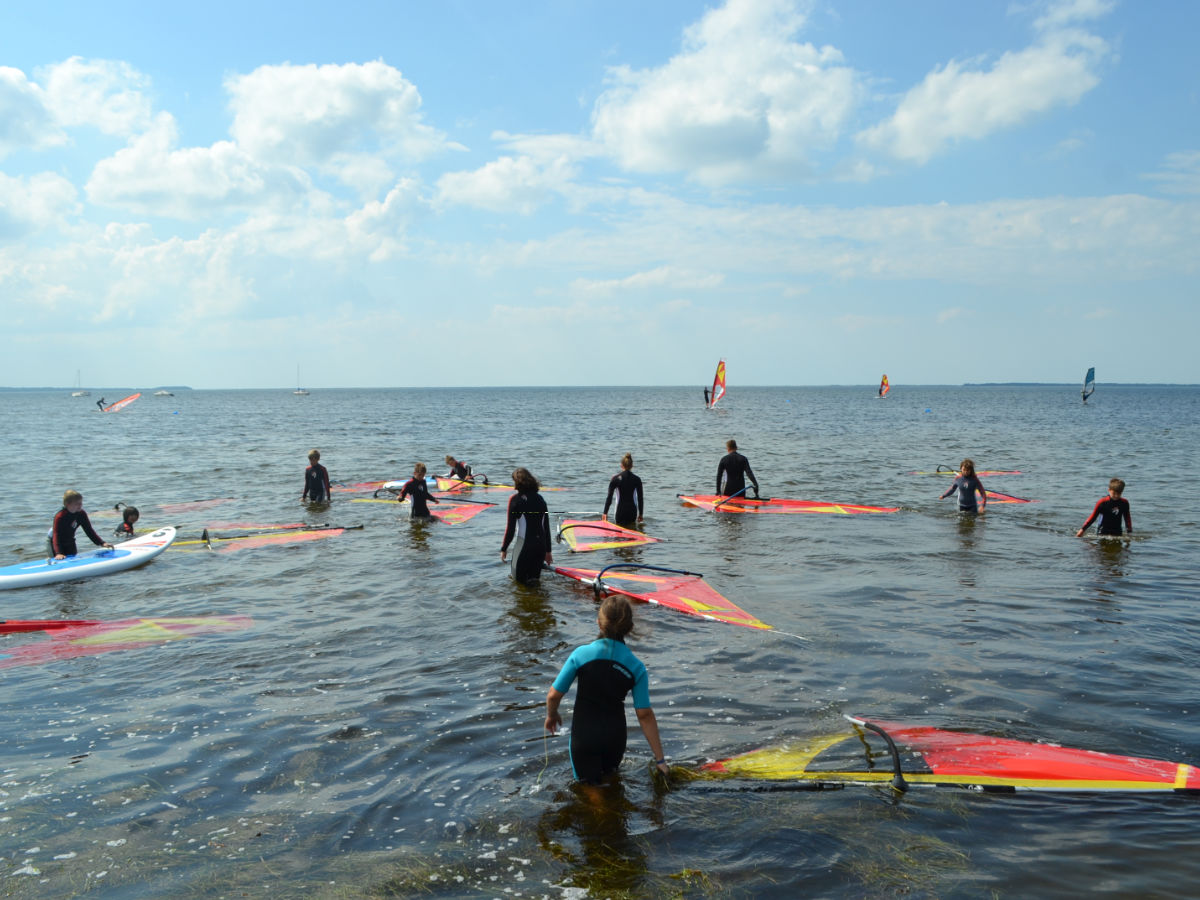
[{"x": 504, "y": 193}]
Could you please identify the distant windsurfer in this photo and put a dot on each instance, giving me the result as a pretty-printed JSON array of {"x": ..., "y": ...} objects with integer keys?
[
  {"x": 967, "y": 484},
  {"x": 1110, "y": 510},
  {"x": 706, "y": 397},
  {"x": 628, "y": 490},
  {"x": 607, "y": 670},
  {"x": 66, "y": 521},
  {"x": 416, "y": 489},
  {"x": 316, "y": 479},
  {"x": 733, "y": 471},
  {"x": 100, "y": 404},
  {"x": 529, "y": 525}
]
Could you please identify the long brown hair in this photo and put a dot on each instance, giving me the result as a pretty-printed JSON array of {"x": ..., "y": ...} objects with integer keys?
[{"x": 524, "y": 481}]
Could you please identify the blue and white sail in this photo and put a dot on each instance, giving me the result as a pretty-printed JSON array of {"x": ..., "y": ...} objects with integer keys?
[{"x": 1089, "y": 384}]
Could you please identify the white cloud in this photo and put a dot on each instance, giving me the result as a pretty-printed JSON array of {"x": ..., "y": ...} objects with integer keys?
[
  {"x": 1070, "y": 12},
  {"x": 509, "y": 184},
  {"x": 36, "y": 202},
  {"x": 151, "y": 177},
  {"x": 1180, "y": 174},
  {"x": 947, "y": 315},
  {"x": 105, "y": 94},
  {"x": 667, "y": 277},
  {"x": 742, "y": 99},
  {"x": 311, "y": 115},
  {"x": 965, "y": 101},
  {"x": 24, "y": 120}
]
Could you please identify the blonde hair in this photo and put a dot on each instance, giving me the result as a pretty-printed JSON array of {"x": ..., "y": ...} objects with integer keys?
[
  {"x": 314, "y": 454},
  {"x": 1116, "y": 485},
  {"x": 450, "y": 460},
  {"x": 71, "y": 497},
  {"x": 419, "y": 470},
  {"x": 967, "y": 467},
  {"x": 627, "y": 461}
]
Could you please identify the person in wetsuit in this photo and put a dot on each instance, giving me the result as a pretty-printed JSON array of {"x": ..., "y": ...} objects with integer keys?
[
  {"x": 459, "y": 470},
  {"x": 607, "y": 670},
  {"x": 316, "y": 479},
  {"x": 417, "y": 490},
  {"x": 628, "y": 490},
  {"x": 529, "y": 524},
  {"x": 100, "y": 404},
  {"x": 732, "y": 472},
  {"x": 66, "y": 520},
  {"x": 129, "y": 517},
  {"x": 1110, "y": 511},
  {"x": 967, "y": 484}
]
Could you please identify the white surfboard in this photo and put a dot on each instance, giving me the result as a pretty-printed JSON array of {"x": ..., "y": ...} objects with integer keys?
[{"x": 135, "y": 552}]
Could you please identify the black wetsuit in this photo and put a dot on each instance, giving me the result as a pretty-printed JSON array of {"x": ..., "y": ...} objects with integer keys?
[
  {"x": 316, "y": 483},
  {"x": 1110, "y": 511},
  {"x": 62, "y": 532},
  {"x": 967, "y": 486},
  {"x": 732, "y": 473},
  {"x": 460, "y": 470},
  {"x": 124, "y": 531},
  {"x": 630, "y": 504},
  {"x": 529, "y": 523},
  {"x": 417, "y": 489}
]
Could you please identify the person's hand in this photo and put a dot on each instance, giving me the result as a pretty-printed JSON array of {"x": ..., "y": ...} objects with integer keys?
[
  {"x": 553, "y": 722},
  {"x": 1079, "y": 533},
  {"x": 603, "y": 517},
  {"x": 58, "y": 556},
  {"x": 662, "y": 767},
  {"x": 503, "y": 555}
]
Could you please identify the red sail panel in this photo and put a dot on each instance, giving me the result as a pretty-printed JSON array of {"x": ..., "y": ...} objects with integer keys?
[
  {"x": 684, "y": 593},
  {"x": 779, "y": 505},
  {"x": 583, "y": 536}
]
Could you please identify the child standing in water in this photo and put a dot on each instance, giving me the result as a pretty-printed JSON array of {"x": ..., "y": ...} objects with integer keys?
[
  {"x": 129, "y": 517},
  {"x": 1110, "y": 511},
  {"x": 529, "y": 524},
  {"x": 66, "y": 520},
  {"x": 967, "y": 484},
  {"x": 607, "y": 670},
  {"x": 417, "y": 491},
  {"x": 316, "y": 479}
]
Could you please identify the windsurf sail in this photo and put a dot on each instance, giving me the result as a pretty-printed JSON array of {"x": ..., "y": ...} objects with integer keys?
[
  {"x": 16, "y": 626},
  {"x": 951, "y": 759},
  {"x": 884, "y": 387},
  {"x": 283, "y": 535},
  {"x": 778, "y": 505},
  {"x": 582, "y": 536},
  {"x": 91, "y": 638},
  {"x": 685, "y": 592},
  {"x": 451, "y": 512},
  {"x": 718, "y": 388},
  {"x": 1089, "y": 384},
  {"x": 997, "y": 497},
  {"x": 121, "y": 404}
]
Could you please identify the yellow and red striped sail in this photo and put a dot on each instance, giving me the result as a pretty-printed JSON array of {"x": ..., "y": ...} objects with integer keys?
[
  {"x": 955, "y": 759},
  {"x": 685, "y": 592},
  {"x": 778, "y": 505},
  {"x": 884, "y": 387},
  {"x": 581, "y": 536},
  {"x": 718, "y": 388}
]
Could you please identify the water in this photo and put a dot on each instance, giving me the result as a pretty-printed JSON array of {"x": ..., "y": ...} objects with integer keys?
[{"x": 378, "y": 732}]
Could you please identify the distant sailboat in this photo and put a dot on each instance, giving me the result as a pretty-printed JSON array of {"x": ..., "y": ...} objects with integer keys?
[
  {"x": 1089, "y": 384},
  {"x": 299, "y": 391},
  {"x": 884, "y": 387},
  {"x": 79, "y": 391},
  {"x": 718, "y": 388}
]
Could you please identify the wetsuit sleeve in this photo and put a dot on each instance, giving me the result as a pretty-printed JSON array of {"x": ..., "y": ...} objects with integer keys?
[
  {"x": 1095, "y": 513},
  {"x": 325, "y": 478},
  {"x": 982, "y": 491},
  {"x": 641, "y": 691},
  {"x": 547, "y": 538},
  {"x": 566, "y": 675},
  {"x": 304, "y": 496},
  {"x": 720, "y": 472},
  {"x": 1128, "y": 519},
  {"x": 641, "y": 502},
  {"x": 56, "y": 531},
  {"x": 612, "y": 486},
  {"x": 86, "y": 524},
  {"x": 404, "y": 491},
  {"x": 753, "y": 480},
  {"x": 511, "y": 528},
  {"x": 953, "y": 487}
]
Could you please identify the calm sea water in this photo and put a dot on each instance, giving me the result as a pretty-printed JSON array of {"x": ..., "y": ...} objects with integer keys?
[{"x": 378, "y": 732}]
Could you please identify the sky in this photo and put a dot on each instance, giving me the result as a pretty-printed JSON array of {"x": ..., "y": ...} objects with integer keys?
[{"x": 598, "y": 192}]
